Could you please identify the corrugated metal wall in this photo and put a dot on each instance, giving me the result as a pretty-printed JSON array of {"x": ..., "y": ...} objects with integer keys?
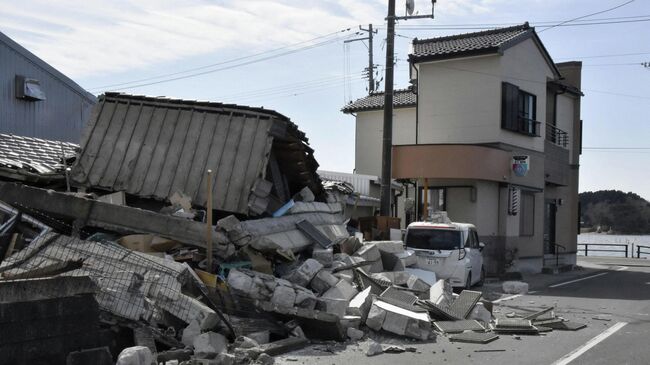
[
  {"x": 61, "y": 117},
  {"x": 153, "y": 147}
]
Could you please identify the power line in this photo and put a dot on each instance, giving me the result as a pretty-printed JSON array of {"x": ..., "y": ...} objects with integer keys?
[
  {"x": 479, "y": 27},
  {"x": 310, "y": 46},
  {"x": 588, "y": 15},
  {"x": 538, "y": 23},
  {"x": 606, "y": 55}
]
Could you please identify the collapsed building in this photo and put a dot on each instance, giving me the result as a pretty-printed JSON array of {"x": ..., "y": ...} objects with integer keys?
[{"x": 124, "y": 227}]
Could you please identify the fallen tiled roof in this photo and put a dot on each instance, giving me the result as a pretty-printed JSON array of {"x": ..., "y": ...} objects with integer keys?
[
  {"x": 28, "y": 156},
  {"x": 153, "y": 146},
  {"x": 488, "y": 41},
  {"x": 401, "y": 99}
]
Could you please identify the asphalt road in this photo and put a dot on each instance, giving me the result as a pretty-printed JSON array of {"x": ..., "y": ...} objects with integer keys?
[{"x": 617, "y": 290}]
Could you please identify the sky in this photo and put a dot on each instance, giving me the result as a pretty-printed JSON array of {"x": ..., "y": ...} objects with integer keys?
[{"x": 290, "y": 56}]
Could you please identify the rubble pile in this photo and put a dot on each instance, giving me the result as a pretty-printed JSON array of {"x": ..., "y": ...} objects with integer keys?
[{"x": 276, "y": 269}]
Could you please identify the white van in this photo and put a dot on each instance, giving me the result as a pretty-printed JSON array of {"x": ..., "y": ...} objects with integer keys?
[{"x": 451, "y": 250}]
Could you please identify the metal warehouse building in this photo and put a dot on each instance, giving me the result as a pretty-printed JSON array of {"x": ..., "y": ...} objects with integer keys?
[{"x": 36, "y": 100}]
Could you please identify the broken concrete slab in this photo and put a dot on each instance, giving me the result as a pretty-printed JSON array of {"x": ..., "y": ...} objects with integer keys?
[
  {"x": 404, "y": 322},
  {"x": 323, "y": 255},
  {"x": 304, "y": 273},
  {"x": 388, "y": 246},
  {"x": 334, "y": 306},
  {"x": 360, "y": 304},
  {"x": 118, "y": 218},
  {"x": 370, "y": 252},
  {"x": 375, "y": 348},
  {"x": 284, "y": 296},
  {"x": 323, "y": 281},
  {"x": 342, "y": 290},
  {"x": 376, "y": 317},
  {"x": 137, "y": 355},
  {"x": 190, "y": 332},
  {"x": 440, "y": 293},
  {"x": 208, "y": 345}
]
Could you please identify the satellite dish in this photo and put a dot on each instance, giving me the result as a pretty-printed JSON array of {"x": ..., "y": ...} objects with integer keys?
[{"x": 410, "y": 7}]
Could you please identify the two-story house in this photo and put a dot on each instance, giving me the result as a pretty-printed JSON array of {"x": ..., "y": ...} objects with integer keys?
[{"x": 491, "y": 133}]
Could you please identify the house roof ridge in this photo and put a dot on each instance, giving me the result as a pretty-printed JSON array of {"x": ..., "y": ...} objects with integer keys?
[{"x": 524, "y": 26}]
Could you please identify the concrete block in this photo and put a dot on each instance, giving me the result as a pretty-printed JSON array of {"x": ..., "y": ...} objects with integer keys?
[
  {"x": 404, "y": 322},
  {"x": 441, "y": 293},
  {"x": 208, "y": 345},
  {"x": 284, "y": 296},
  {"x": 515, "y": 287},
  {"x": 190, "y": 333},
  {"x": 355, "y": 334},
  {"x": 137, "y": 355},
  {"x": 370, "y": 252},
  {"x": 323, "y": 281},
  {"x": 305, "y": 299},
  {"x": 360, "y": 304},
  {"x": 376, "y": 317},
  {"x": 323, "y": 255},
  {"x": 241, "y": 282},
  {"x": 265, "y": 359},
  {"x": 333, "y": 306},
  {"x": 375, "y": 348},
  {"x": 388, "y": 246},
  {"x": 305, "y": 272},
  {"x": 342, "y": 290}
]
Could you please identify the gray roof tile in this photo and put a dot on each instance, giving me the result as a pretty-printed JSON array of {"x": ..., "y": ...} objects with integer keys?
[
  {"x": 375, "y": 101},
  {"x": 468, "y": 43}
]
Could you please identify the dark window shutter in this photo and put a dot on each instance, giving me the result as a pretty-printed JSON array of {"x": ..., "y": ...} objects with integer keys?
[{"x": 509, "y": 106}]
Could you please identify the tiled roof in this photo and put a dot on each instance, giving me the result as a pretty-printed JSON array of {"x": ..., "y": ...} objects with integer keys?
[
  {"x": 469, "y": 43},
  {"x": 375, "y": 101},
  {"x": 34, "y": 155}
]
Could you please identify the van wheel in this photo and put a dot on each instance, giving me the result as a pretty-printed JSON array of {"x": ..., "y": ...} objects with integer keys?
[
  {"x": 482, "y": 280},
  {"x": 468, "y": 282}
]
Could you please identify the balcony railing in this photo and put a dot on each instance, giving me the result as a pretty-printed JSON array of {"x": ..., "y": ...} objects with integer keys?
[
  {"x": 528, "y": 126},
  {"x": 556, "y": 135}
]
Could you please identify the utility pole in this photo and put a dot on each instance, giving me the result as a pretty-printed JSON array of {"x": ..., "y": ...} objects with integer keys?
[
  {"x": 387, "y": 140},
  {"x": 371, "y": 65}
]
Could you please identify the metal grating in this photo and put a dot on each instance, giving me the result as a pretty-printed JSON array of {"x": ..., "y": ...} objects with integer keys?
[
  {"x": 463, "y": 305},
  {"x": 459, "y": 326},
  {"x": 398, "y": 295},
  {"x": 513, "y": 323},
  {"x": 566, "y": 326},
  {"x": 438, "y": 311},
  {"x": 474, "y": 337}
]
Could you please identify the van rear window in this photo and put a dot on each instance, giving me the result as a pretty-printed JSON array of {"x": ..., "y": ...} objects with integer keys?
[{"x": 433, "y": 239}]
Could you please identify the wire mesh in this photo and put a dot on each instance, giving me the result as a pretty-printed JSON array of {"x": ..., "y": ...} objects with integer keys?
[{"x": 131, "y": 284}]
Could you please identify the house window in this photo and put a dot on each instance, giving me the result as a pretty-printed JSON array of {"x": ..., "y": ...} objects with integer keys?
[
  {"x": 518, "y": 110},
  {"x": 527, "y": 214}
]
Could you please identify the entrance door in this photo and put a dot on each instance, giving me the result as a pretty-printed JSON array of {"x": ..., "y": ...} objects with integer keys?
[{"x": 550, "y": 210}]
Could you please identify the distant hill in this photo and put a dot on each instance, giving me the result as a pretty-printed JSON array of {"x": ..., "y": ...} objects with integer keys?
[{"x": 625, "y": 213}]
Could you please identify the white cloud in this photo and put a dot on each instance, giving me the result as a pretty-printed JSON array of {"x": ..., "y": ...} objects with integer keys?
[{"x": 82, "y": 38}]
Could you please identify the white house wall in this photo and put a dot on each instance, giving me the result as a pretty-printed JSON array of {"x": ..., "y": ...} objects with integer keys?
[{"x": 369, "y": 133}]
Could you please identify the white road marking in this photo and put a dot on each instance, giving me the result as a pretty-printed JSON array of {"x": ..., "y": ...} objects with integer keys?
[
  {"x": 576, "y": 280},
  {"x": 622, "y": 268},
  {"x": 507, "y": 298},
  {"x": 591, "y": 343},
  {"x": 532, "y": 292}
]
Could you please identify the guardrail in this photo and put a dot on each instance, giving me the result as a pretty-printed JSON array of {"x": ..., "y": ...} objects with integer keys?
[
  {"x": 587, "y": 245},
  {"x": 639, "y": 251}
]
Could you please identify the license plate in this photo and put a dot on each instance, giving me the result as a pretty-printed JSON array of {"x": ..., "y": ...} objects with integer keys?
[{"x": 433, "y": 261}]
